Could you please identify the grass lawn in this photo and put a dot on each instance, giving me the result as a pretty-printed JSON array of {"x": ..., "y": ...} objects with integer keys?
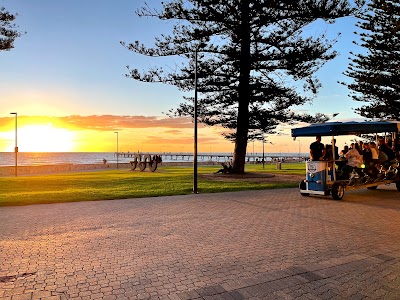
[{"x": 124, "y": 183}]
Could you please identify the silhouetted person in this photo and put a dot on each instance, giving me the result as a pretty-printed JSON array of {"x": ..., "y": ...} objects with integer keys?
[{"x": 317, "y": 149}]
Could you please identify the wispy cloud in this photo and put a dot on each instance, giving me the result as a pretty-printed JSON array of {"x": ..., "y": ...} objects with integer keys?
[
  {"x": 153, "y": 139},
  {"x": 173, "y": 131},
  {"x": 103, "y": 122},
  {"x": 111, "y": 122}
]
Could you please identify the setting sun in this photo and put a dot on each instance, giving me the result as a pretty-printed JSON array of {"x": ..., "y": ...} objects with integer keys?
[{"x": 44, "y": 138}]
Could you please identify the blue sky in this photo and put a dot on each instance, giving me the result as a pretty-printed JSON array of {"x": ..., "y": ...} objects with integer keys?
[
  {"x": 70, "y": 62},
  {"x": 70, "y": 58}
]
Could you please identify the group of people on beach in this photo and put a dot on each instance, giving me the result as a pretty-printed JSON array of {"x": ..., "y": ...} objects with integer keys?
[{"x": 369, "y": 155}]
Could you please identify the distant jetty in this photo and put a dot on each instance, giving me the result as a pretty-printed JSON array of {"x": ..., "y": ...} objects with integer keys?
[{"x": 215, "y": 157}]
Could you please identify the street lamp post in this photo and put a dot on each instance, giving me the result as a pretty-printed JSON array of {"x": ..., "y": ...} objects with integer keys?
[
  {"x": 117, "y": 149},
  {"x": 195, "y": 126},
  {"x": 263, "y": 157},
  {"x": 16, "y": 143}
]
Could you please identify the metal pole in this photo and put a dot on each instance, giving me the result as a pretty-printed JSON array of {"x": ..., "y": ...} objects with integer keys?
[
  {"x": 334, "y": 158},
  {"x": 195, "y": 126},
  {"x": 16, "y": 143},
  {"x": 263, "y": 159},
  {"x": 117, "y": 148}
]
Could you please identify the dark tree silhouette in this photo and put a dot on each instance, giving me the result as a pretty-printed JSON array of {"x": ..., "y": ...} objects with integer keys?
[
  {"x": 376, "y": 74},
  {"x": 251, "y": 56},
  {"x": 8, "y": 32}
]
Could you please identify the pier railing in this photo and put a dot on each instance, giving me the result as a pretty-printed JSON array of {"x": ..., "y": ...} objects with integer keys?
[{"x": 251, "y": 158}]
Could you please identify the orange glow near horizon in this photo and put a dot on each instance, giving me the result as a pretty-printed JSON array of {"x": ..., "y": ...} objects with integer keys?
[
  {"x": 136, "y": 133},
  {"x": 39, "y": 135}
]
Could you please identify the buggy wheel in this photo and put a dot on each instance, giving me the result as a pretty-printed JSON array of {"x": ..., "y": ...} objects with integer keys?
[
  {"x": 337, "y": 191},
  {"x": 398, "y": 185},
  {"x": 303, "y": 186},
  {"x": 372, "y": 187},
  {"x": 142, "y": 166},
  {"x": 133, "y": 165},
  {"x": 153, "y": 165}
]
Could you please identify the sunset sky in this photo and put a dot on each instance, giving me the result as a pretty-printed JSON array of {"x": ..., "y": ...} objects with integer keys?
[{"x": 65, "y": 79}]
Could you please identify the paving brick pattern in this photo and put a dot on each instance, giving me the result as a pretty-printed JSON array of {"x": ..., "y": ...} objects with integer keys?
[{"x": 272, "y": 244}]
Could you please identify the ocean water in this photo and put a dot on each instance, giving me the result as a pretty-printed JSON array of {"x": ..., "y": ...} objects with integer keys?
[{"x": 50, "y": 158}]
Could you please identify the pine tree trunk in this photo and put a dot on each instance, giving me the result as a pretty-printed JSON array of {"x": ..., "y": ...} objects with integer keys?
[{"x": 239, "y": 155}]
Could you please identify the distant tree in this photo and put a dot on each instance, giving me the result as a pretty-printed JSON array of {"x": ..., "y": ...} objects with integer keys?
[
  {"x": 376, "y": 74},
  {"x": 8, "y": 32},
  {"x": 251, "y": 54}
]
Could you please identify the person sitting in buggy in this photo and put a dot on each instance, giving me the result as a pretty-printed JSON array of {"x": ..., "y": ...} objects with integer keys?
[
  {"x": 389, "y": 161},
  {"x": 354, "y": 162},
  {"x": 344, "y": 151},
  {"x": 329, "y": 155},
  {"x": 370, "y": 160},
  {"x": 380, "y": 165},
  {"x": 317, "y": 149},
  {"x": 383, "y": 147},
  {"x": 396, "y": 146},
  {"x": 328, "y": 152}
]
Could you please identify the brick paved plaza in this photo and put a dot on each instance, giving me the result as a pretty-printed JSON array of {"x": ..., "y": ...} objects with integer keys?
[{"x": 272, "y": 244}]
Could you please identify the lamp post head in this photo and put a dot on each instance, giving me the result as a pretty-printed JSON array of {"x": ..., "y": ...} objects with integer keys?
[{"x": 13, "y": 113}]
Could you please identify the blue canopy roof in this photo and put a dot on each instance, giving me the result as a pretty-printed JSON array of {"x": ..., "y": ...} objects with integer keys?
[{"x": 346, "y": 128}]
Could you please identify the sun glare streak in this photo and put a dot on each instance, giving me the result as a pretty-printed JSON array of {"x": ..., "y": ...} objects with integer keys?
[{"x": 45, "y": 138}]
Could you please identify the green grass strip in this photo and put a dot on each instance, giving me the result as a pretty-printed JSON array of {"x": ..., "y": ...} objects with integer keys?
[{"x": 125, "y": 183}]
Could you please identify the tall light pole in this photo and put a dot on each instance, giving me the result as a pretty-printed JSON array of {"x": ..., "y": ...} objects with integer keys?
[
  {"x": 195, "y": 126},
  {"x": 263, "y": 157},
  {"x": 117, "y": 147},
  {"x": 16, "y": 143}
]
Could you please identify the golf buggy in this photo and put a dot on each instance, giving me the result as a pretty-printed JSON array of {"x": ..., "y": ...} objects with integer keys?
[{"x": 322, "y": 177}]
